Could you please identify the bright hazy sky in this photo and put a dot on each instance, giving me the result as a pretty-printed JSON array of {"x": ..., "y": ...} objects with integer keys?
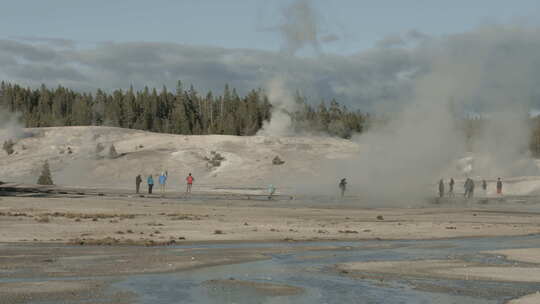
[{"x": 242, "y": 23}]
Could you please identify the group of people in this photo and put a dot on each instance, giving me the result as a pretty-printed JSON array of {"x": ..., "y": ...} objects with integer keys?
[
  {"x": 468, "y": 187},
  {"x": 162, "y": 180}
]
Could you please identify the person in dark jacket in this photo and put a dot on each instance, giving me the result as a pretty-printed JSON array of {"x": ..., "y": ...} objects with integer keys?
[
  {"x": 451, "y": 188},
  {"x": 138, "y": 181},
  {"x": 471, "y": 189},
  {"x": 499, "y": 186},
  {"x": 150, "y": 181},
  {"x": 466, "y": 188},
  {"x": 441, "y": 188},
  {"x": 343, "y": 186}
]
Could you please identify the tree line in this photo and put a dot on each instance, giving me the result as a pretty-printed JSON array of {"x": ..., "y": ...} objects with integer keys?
[{"x": 184, "y": 111}]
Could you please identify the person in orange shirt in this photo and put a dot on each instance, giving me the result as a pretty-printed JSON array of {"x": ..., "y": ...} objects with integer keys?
[{"x": 189, "y": 180}]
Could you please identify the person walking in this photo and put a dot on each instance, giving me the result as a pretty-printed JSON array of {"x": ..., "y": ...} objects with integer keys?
[
  {"x": 451, "y": 188},
  {"x": 466, "y": 186},
  {"x": 189, "y": 179},
  {"x": 271, "y": 191},
  {"x": 162, "y": 182},
  {"x": 138, "y": 181},
  {"x": 150, "y": 181},
  {"x": 484, "y": 187},
  {"x": 471, "y": 188},
  {"x": 499, "y": 186},
  {"x": 441, "y": 188},
  {"x": 343, "y": 186}
]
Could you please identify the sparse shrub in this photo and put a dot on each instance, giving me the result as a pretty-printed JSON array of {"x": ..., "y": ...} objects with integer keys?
[
  {"x": 45, "y": 178},
  {"x": 43, "y": 219},
  {"x": 277, "y": 161},
  {"x": 338, "y": 128},
  {"x": 8, "y": 146},
  {"x": 112, "y": 152},
  {"x": 214, "y": 160},
  {"x": 99, "y": 148},
  {"x": 217, "y": 231},
  {"x": 216, "y": 155}
]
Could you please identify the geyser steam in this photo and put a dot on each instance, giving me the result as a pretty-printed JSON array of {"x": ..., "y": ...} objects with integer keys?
[
  {"x": 10, "y": 127},
  {"x": 421, "y": 144},
  {"x": 280, "y": 123}
]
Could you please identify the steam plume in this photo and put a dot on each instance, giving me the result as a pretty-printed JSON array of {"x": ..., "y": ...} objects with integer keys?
[
  {"x": 422, "y": 142},
  {"x": 10, "y": 127},
  {"x": 300, "y": 27},
  {"x": 283, "y": 103}
]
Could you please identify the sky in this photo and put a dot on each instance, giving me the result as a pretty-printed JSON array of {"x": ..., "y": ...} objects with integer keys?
[
  {"x": 245, "y": 23},
  {"x": 367, "y": 54}
]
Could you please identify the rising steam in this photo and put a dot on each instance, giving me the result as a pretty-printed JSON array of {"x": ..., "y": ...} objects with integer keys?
[
  {"x": 422, "y": 142},
  {"x": 491, "y": 73},
  {"x": 282, "y": 102},
  {"x": 301, "y": 28},
  {"x": 10, "y": 127}
]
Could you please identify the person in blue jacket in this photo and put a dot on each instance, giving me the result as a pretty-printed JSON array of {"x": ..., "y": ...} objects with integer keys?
[
  {"x": 162, "y": 182},
  {"x": 150, "y": 181}
]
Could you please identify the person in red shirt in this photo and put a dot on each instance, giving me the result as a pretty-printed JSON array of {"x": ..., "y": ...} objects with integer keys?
[{"x": 189, "y": 180}]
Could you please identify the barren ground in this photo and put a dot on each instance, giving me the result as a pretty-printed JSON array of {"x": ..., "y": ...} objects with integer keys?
[
  {"x": 33, "y": 229},
  {"x": 145, "y": 220}
]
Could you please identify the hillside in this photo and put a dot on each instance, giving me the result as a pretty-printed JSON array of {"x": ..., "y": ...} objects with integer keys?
[{"x": 247, "y": 161}]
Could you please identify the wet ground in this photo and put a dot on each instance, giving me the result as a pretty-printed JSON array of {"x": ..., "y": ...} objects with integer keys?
[
  {"x": 313, "y": 271},
  {"x": 202, "y": 193},
  {"x": 301, "y": 273},
  {"x": 271, "y": 272}
]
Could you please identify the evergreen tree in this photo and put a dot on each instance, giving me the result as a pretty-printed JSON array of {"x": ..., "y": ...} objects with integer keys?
[
  {"x": 131, "y": 108},
  {"x": 184, "y": 112},
  {"x": 112, "y": 152},
  {"x": 8, "y": 146},
  {"x": 82, "y": 112},
  {"x": 45, "y": 178}
]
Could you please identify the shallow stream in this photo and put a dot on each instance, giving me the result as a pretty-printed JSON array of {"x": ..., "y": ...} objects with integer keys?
[{"x": 313, "y": 271}]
